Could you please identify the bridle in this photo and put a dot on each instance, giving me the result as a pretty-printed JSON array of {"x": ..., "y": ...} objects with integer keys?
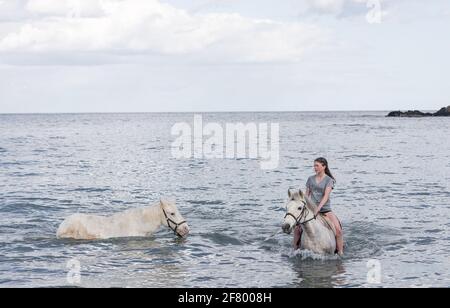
[
  {"x": 177, "y": 225},
  {"x": 303, "y": 213}
]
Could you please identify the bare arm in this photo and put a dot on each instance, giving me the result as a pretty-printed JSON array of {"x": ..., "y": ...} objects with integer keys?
[{"x": 326, "y": 197}]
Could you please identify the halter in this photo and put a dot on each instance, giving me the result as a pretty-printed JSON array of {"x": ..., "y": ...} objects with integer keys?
[
  {"x": 177, "y": 225},
  {"x": 303, "y": 213}
]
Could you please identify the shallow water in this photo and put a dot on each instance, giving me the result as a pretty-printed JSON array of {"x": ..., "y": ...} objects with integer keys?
[{"x": 393, "y": 196}]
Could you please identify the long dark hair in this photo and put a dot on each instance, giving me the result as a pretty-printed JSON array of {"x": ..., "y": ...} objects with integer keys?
[{"x": 324, "y": 163}]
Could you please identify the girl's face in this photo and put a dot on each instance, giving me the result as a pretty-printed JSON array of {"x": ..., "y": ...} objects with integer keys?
[{"x": 318, "y": 167}]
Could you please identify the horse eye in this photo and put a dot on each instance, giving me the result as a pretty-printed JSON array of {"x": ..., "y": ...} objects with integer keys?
[
  {"x": 300, "y": 208},
  {"x": 173, "y": 214}
]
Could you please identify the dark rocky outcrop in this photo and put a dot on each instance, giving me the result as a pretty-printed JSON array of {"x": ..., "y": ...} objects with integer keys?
[
  {"x": 409, "y": 114},
  {"x": 443, "y": 112}
]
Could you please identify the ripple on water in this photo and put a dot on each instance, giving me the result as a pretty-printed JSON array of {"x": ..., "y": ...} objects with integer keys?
[
  {"x": 423, "y": 241},
  {"x": 206, "y": 202},
  {"x": 222, "y": 239},
  {"x": 195, "y": 188},
  {"x": 91, "y": 189},
  {"x": 40, "y": 151},
  {"x": 24, "y": 174},
  {"x": 24, "y": 207},
  {"x": 17, "y": 163}
]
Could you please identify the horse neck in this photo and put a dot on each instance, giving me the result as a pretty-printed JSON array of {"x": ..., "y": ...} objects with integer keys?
[
  {"x": 311, "y": 206},
  {"x": 154, "y": 215},
  {"x": 312, "y": 226}
]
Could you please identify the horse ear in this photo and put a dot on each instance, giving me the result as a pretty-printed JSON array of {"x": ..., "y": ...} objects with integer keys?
[
  {"x": 162, "y": 201},
  {"x": 292, "y": 193},
  {"x": 301, "y": 193}
]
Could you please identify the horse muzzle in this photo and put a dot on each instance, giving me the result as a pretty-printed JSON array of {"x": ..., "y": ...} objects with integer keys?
[
  {"x": 286, "y": 228},
  {"x": 183, "y": 230}
]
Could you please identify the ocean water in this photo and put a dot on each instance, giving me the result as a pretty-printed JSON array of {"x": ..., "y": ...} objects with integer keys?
[{"x": 392, "y": 195}]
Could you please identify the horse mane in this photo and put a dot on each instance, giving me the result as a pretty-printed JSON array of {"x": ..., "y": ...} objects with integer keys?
[
  {"x": 296, "y": 195},
  {"x": 310, "y": 203}
]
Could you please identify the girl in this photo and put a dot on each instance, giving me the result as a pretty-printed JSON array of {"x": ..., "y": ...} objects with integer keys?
[{"x": 318, "y": 188}]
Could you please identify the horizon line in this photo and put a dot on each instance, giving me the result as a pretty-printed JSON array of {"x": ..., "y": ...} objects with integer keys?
[{"x": 192, "y": 112}]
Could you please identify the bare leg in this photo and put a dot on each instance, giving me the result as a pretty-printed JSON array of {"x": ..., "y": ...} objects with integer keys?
[
  {"x": 339, "y": 234},
  {"x": 297, "y": 237}
]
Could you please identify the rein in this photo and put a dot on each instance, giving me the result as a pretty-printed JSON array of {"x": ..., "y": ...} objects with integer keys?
[
  {"x": 170, "y": 221},
  {"x": 303, "y": 213}
]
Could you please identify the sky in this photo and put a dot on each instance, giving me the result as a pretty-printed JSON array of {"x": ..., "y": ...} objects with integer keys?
[{"x": 64, "y": 56}]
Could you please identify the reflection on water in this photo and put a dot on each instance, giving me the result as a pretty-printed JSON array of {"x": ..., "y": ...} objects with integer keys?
[{"x": 313, "y": 273}]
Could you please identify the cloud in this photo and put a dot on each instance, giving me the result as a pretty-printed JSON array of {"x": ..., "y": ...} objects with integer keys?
[
  {"x": 149, "y": 26},
  {"x": 68, "y": 8},
  {"x": 11, "y": 10},
  {"x": 343, "y": 7},
  {"x": 326, "y": 6}
]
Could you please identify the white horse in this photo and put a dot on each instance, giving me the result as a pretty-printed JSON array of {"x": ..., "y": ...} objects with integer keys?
[
  {"x": 132, "y": 223},
  {"x": 318, "y": 234}
]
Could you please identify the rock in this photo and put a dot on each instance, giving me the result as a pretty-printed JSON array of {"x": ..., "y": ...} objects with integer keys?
[
  {"x": 444, "y": 112},
  {"x": 409, "y": 114},
  {"x": 395, "y": 114}
]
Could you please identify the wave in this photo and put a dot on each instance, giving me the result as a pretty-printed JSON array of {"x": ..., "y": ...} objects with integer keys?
[
  {"x": 90, "y": 189},
  {"x": 21, "y": 174},
  {"x": 205, "y": 202},
  {"x": 222, "y": 239},
  {"x": 27, "y": 207}
]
